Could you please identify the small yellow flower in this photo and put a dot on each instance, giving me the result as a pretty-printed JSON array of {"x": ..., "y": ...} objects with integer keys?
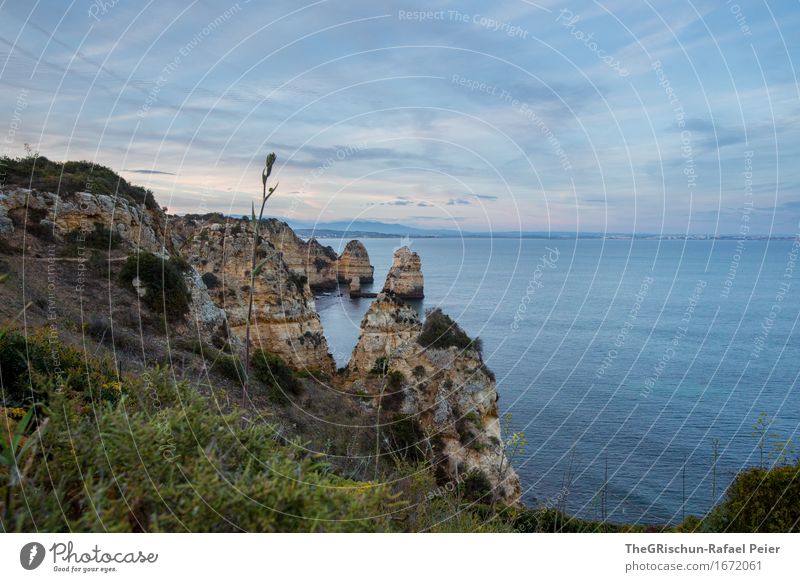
[{"x": 15, "y": 413}]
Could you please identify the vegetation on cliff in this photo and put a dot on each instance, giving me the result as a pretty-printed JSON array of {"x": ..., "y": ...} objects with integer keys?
[{"x": 39, "y": 173}]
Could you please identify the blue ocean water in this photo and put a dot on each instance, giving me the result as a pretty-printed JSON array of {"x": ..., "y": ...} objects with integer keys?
[{"x": 621, "y": 361}]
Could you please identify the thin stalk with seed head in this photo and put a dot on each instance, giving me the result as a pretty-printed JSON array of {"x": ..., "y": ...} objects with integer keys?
[{"x": 255, "y": 268}]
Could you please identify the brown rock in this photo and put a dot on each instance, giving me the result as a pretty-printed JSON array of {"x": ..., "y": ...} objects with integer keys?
[
  {"x": 388, "y": 324},
  {"x": 405, "y": 276},
  {"x": 285, "y": 320},
  {"x": 354, "y": 262}
]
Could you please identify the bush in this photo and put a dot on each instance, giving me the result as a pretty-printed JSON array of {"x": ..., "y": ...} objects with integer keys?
[
  {"x": 34, "y": 367},
  {"x": 101, "y": 238},
  {"x": 440, "y": 331},
  {"x": 166, "y": 288},
  {"x": 404, "y": 438},
  {"x": 204, "y": 472},
  {"x": 760, "y": 501},
  {"x": 476, "y": 486},
  {"x": 271, "y": 370},
  {"x": 211, "y": 280},
  {"x": 39, "y": 173}
]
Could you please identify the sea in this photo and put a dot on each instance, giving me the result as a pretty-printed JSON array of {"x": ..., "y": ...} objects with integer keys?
[{"x": 644, "y": 374}]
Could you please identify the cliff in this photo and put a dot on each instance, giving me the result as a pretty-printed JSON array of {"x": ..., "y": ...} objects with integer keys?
[
  {"x": 387, "y": 325},
  {"x": 354, "y": 262},
  {"x": 76, "y": 214},
  {"x": 405, "y": 275},
  {"x": 305, "y": 259},
  {"x": 285, "y": 320},
  {"x": 446, "y": 389}
]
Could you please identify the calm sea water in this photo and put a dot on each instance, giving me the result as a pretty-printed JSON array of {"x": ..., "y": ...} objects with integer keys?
[{"x": 625, "y": 359}]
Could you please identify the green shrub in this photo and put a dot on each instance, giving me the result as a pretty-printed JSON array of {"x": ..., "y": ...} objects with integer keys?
[
  {"x": 760, "y": 501},
  {"x": 166, "y": 288},
  {"x": 101, "y": 238},
  {"x": 39, "y": 173},
  {"x": 404, "y": 438},
  {"x": 211, "y": 280},
  {"x": 271, "y": 370},
  {"x": 440, "y": 331},
  {"x": 380, "y": 367},
  {"x": 476, "y": 486}
]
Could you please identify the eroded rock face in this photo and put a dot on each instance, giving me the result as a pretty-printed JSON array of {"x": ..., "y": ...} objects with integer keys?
[
  {"x": 205, "y": 316},
  {"x": 306, "y": 259},
  {"x": 449, "y": 392},
  {"x": 454, "y": 398},
  {"x": 388, "y": 324},
  {"x": 354, "y": 262},
  {"x": 285, "y": 320},
  {"x": 137, "y": 226},
  {"x": 309, "y": 259},
  {"x": 405, "y": 276}
]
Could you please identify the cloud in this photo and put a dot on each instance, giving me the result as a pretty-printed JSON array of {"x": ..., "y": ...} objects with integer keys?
[
  {"x": 488, "y": 197},
  {"x": 458, "y": 202},
  {"x": 150, "y": 172}
]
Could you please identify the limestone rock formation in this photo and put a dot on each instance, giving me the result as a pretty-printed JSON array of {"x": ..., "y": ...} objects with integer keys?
[
  {"x": 454, "y": 398},
  {"x": 285, "y": 320},
  {"x": 305, "y": 259},
  {"x": 207, "y": 318},
  {"x": 354, "y": 262},
  {"x": 355, "y": 287},
  {"x": 405, "y": 276},
  {"x": 309, "y": 259},
  {"x": 448, "y": 391},
  {"x": 138, "y": 226},
  {"x": 388, "y": 324}
]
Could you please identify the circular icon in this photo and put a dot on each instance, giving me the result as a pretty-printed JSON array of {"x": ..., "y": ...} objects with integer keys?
[{"x": 31, "y": 555}]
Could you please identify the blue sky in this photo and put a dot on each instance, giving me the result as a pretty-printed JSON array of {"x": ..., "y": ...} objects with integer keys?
[{"x": 581, "y": 116}]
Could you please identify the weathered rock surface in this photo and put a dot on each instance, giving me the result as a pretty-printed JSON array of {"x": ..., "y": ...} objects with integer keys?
[
  {"x": 405, "y": 276},
  {"x": 454, "y": 398},
  {"x": 388, "y": 324},
  {"x": 449, "y": 392},
  {"x": 306, "y": 259},
  {"x": 139, "y": 227},
  {"x": 285, "y": 320},
  {"x": 354, "y": 262},
  {"x": 206, "y": 317}
]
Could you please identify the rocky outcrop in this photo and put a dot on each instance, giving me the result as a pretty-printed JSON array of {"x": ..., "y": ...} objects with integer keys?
[
  {"x": 137, "y": 226},
  {"x": 309, "y": 259},
  {"x": 448, "y": 392},
  {"x": 454, "y": 398},
  {"x": 305, "y": 259},
  {"x": 354, "y": 262},
  {"x": 285, "y": 320},
  {"x": 405, "y": 276},
  {"x": 388, "y": 324},
  {"x": 208, "y": 320}
]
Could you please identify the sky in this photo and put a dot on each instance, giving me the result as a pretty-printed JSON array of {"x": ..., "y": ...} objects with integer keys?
[{"x": 580, "y": 116}]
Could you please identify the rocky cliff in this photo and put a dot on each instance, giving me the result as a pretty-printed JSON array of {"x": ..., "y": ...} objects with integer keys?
[
  {"x": 354, "y": 262},
  {"x": 285, "y": 320},
  {"x": 447, "y": 391},
  {"x": 65, "y": 216},
  {"x": 305, "y": 259},
  {"x": 405, "y": 275},
  {"x": 387, "y": 325}
]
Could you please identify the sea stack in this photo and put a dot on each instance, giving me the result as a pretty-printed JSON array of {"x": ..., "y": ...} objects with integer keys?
[
  {"x": 354, "y": 262},
  {"x": 388, "y": 324},
  {"x": 405, "y": 277}
]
